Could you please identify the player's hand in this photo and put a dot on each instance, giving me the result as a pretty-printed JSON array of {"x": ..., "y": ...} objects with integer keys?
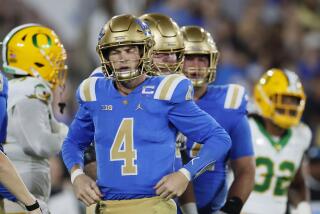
[
  {"x": 171, "y": 185},
  {"x": 86, "y": 190},
  {"x": 37, "y": 211},
  {"x": 43, "y": 206},
  {"x": 219, "y": 212}
]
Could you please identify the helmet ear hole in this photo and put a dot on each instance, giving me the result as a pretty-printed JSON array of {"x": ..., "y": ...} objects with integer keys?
[
  {"x": 39, "y": 65},
  {"x": 24, "y": 37}
]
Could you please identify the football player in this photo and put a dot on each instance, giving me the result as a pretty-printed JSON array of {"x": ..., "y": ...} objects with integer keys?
[
  {"x": 36, "y": 58},
  {"x": 134, "y": 119},
  {"x": 227, "y": 104},
  {"x": 167, "y": 58},
  {"x": 8, "y": 175},
  {"x": 280, "y": 140},
  {"x": 168, "y": 51}
]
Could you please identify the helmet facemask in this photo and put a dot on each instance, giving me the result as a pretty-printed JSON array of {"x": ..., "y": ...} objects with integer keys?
[
  {"x": 110, "y": 67},
  {"x": 121, "y": 32},
  {"x": 200, "y": 76},
  {"x": 288, "y": 109},
  {"x": 280, "y": 97},
  {"x": 166, "y": 68},
  {"x": 168, "y": 51},
  {"x": 199, "y": 43}
]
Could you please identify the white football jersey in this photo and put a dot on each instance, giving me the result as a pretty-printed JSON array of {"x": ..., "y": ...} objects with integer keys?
[
  {"x": 33, "y": 135},
  {"x": 277, "y": 162}
]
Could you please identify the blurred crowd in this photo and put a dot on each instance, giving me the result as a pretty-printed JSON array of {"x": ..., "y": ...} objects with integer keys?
[{"x": 251, "y": 35}]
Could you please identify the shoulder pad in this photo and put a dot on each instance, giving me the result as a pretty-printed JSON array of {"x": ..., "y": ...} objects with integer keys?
[
  {"x": 87, "y": 91},
  {"x": 97, "y": 72},
  {"x": 235, "y": 96},
  {"x": 175, "y": 88},
  {"x": 34, "y": 88},
  {"x": 305, "y": 132},
  {"x": 1, "y": 82}
]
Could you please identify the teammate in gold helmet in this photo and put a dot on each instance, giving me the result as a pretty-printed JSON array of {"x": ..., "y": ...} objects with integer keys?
[
  {"x": 167, "y": 56},
  {"x": 227, "y": 104}
]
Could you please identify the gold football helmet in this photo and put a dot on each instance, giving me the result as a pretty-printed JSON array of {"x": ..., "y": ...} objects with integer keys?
[
  {"x": 125, "y": 30},
  {"x": 280, "y": 97},
  {"x": 198, "y": 41},
  {"x": 168, "y": 40},
  {"x": 35, "y": 50}
]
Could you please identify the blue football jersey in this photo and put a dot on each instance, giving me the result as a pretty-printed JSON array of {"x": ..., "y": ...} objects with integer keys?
[
  {"x": 135, "y": 134},
  {"x": 227, "y": 104},
  {"x": 4, "y": 193},
  {"x": 97, "y": 72},
  {"x": 3, "y": 108}
]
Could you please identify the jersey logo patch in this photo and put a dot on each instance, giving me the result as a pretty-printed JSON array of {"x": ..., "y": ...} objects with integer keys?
[
  {"x": 41, "y": 93},
  {"x": 106, "y": 107},
  {"x": 148, "y": 89},
  {"x": 139, "y": 107}
]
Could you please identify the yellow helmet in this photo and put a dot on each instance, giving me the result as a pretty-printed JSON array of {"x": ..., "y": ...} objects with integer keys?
[
  {"x": 198, "y": 41},
  {"x": 271, "y": 93},
  {"x": 125, "y": 30},
  {"x": 168, "y": 40},
  {"x": 35, "y": 50}
]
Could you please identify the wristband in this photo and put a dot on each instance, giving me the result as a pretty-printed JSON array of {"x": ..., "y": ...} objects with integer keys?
[
  {"x": 189, "y": 208},
  {"x": 186, "y": 173},
  {"x": 32, "y": 206},
  {"x": 233, "y": 205},
  {"x": 304, "y": 208},
  {"x": 75, "y": 174}
]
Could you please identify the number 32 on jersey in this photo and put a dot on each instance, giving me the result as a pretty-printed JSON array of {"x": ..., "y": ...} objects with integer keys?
[{"x": 282, "y": 173}]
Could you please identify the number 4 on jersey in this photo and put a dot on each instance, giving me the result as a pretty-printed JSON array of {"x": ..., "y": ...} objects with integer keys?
[{"x": 122, "y": 148}]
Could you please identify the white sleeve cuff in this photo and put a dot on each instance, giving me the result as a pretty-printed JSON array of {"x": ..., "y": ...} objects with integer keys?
[
  {"x": 304, "y": 208},
  {"x": 186, "y": 173},
  {"x": 75, "y": 174},
  {"x": 189, "y": 208}
]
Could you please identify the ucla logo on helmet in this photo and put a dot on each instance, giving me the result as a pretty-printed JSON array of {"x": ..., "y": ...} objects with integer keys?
[
  {"x": 144, "y": 27},
  {"x": 101, "y": 33}
]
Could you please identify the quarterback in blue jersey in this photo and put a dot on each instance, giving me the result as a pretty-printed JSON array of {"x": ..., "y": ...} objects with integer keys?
[
  {"x": 134, "y": 123},
  {"x": 8, "y": 174},
  {"x": 227, "y": 104}
]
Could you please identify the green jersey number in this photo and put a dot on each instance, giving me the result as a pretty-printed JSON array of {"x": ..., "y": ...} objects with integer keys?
[{"x": 286, "y": 172}]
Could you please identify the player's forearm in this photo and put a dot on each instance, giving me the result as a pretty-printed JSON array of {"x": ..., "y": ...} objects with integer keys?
[
  {"x": 244, "y": 173},
  {"x": 13, "y": 182},
  {"x": 72, "y": 154},
  {"x": 187, "y": 196},
  {"x": 298, "y": 194},
  {"x": 214, "y": 148},
  {"x": 298, "y": 190}
]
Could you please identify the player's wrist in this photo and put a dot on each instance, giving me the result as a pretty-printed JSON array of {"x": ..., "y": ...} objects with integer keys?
[
  {"x": 75, "y": 173},
  {"x": 32, "y": 207},
  {"x": 186, "y": 173},
  {"x": 189, "y": 208},
  {"x": 233, "y": 205},
  {"x": 304, "y": 207}
]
